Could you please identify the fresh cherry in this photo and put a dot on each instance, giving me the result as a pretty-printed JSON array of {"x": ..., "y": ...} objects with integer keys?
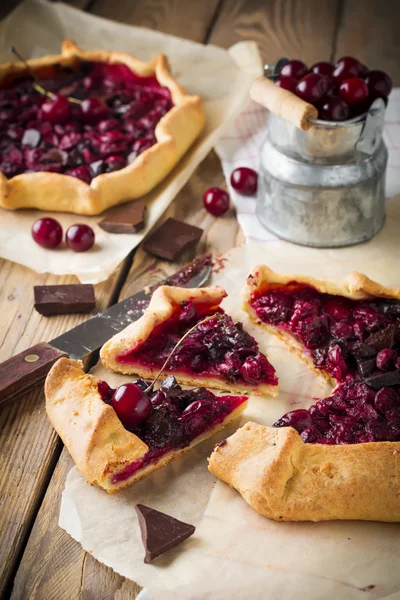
[
  {"x": 79, "y": 237},
  {"x": 93, "y": 110},
  {"x": 379, "y": 84},
  {"x": 294, "y": 68},
  {"x": 47, "y": 232},
  {"x": 216, "y": 201},
  {"x": 353, "y": 90},
  {"x": 323, "y": 68},
  {"x": 346, "y": 67},
  {"x": 334, "y": 109},
  {"x": 312, "y": 88},
  {"x": 131, "y": 404},
  {"x": 56, "y": 109},
  {"x": 244, "y": 181},
  {"x": 287, "y": 83}
]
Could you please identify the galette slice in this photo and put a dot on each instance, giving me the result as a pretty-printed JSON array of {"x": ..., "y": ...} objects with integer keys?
[
  {"x": 119, "y": 436},
  {"x": 337, "y": 327},
  {"x": 218, "y": 353}
]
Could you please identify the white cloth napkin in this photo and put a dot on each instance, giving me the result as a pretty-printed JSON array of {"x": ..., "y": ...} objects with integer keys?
[{"x": 240, "y": 147}]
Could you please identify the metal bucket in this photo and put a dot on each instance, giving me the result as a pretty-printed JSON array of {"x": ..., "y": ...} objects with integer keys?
[{"x": 324, "y": 187}]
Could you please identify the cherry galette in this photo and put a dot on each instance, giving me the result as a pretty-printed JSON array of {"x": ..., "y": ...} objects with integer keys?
[
  {"x": 99, "y": 129},
  {"x": 117, "y": 436},
  {"x": 213, "y": 350}
]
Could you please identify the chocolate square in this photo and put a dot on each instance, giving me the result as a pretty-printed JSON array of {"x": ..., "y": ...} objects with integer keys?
[
  {"x": 128, "y": 218},
  {"x": 64, "y": 299},
  {"x": 171, "y": 239}
]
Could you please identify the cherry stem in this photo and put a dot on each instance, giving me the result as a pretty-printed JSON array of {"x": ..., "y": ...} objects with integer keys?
[
  {"x": 151, "y": 386},
  {"x": 37, "y": 84}
]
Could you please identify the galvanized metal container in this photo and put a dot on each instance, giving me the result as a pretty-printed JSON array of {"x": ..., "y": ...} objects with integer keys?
[{"x": 324, "y": 187}]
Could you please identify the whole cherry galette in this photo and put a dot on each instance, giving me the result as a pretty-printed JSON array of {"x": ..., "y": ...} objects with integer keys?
[{"x": 91, "y": 130}]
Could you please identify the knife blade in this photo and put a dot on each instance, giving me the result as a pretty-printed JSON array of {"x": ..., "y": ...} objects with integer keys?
[{"x": 26, "y": 369}]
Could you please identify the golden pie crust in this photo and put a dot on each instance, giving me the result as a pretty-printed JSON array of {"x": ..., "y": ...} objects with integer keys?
[
  {"x": 162, "y": 306},
  {"x": 175, "y": 133},
  {"x": 285, "y": 479},
  {"x": 94, "y": 436},
  {"x": 355, "y": 286}
]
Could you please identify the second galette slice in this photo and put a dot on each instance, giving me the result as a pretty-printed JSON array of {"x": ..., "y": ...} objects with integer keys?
[{"x": 218, "y": 353}]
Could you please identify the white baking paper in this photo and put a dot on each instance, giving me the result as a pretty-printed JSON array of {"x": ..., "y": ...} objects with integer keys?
[
  {"x": 221, "y": 77},
  {"x": 236, "y": 553}
]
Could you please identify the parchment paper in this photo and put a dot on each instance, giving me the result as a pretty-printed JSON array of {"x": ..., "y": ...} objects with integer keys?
[
  {"x": 221, "y": 77},
  {"x": 236, "y": 553}
]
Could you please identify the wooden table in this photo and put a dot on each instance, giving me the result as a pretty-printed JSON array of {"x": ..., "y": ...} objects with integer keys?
[{"x": 37, "y": 558}]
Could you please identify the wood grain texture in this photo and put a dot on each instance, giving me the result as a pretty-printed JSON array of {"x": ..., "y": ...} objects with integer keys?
[
  {"x": 370, "y": 31},
  {"x": 188, "y": 19},
  {"x": 28, "y": 443},
  {"x": 291, "y": 28}
]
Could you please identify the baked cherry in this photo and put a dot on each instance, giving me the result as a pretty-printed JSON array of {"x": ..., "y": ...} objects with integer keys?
[
  {"x": 299, "y": 419},
  {"x": 323, "y": 68},
  {"x": 346, "y": 67},
  {"x": 334, "y": 109},
  {"x": 312, "y": 88},
  {"x": 80, "y": 237},
  {"x": 56, "y": 109},
  {"x": 216, "y": 201},
  {"x": 379, "y": 84},
  {"x": 131, "y": 404},
  {"x": 244, "y": 181},
  {"x": 93, "y": 110},
  {"x": 294, "y": 68},
  {"x": 47, "y": 232},
  {"x": 353, "y": 90},
  {"x": 287, "y": 83},
  {"x": 386, "y": 359}
]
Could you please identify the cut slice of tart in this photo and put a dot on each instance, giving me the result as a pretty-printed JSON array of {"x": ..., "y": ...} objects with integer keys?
[
  {"x": 218, "y": 353},
  {"x": 113, "y": 447},
  {"x": 336, "y": 326}
]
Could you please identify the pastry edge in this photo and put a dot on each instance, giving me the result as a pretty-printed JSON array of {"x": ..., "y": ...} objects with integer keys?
[
  {"x": 285, "y": 479},
  {"x": 175, "y": 133},
  {"x": 90, "y": 429}
]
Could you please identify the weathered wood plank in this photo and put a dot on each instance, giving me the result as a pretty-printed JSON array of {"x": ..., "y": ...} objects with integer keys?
[
  {"x": 371, "y": 32},
  {"x": 28, "y": 444},
  {"x": 190, "y": 19},
  {"x": 292, "y": 28}
]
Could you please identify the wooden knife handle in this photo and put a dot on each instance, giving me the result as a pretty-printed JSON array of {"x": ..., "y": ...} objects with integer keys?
[{"x": 20, "y": 373}]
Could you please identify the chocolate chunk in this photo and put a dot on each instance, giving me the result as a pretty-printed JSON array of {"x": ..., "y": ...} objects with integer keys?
[
  {"x": 381, "y": 379},
  {"x": 128, "y": 218},
  {"x": 361, "y": 350},
  {"x": 366, "y": 367},
  {"x": 384, "y": 338},
  {"x": 171, "y": 239},
  {"x": 160, "y": 532},
  {"x": 64, "y": 299}
]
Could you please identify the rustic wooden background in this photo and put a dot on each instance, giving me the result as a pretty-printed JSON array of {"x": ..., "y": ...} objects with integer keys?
[{"x": 38, "y": 560}]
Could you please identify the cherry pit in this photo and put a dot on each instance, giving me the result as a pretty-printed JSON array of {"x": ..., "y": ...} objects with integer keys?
[
  {"x": 339, "y": 91},
  {"x": 48, "y": 233}
]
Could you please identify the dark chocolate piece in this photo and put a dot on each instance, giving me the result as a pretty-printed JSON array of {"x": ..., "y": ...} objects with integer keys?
[
  {"x": 380, "y": 379},
  {"x": 384, "y": 338},
  {"x": 160, "y": 532},
  {"x": 128, "y": 218},
  {"x": 64, "y": 299},
  {"x": 361, "y": 350},
  {"x": 171, "y": 239},
  {"x": 366, "y": 367}
]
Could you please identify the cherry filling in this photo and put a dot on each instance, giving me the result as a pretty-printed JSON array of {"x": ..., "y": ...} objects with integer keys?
[
  {"x": 113, "y": 125},
  {"x": 358, "y": 343},
  {"x": 218, "y": 347},
  {"x": 176, "y": 417}
]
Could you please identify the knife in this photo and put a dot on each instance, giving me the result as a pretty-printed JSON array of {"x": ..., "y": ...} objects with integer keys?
[{"x": 25, "y": 370}]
